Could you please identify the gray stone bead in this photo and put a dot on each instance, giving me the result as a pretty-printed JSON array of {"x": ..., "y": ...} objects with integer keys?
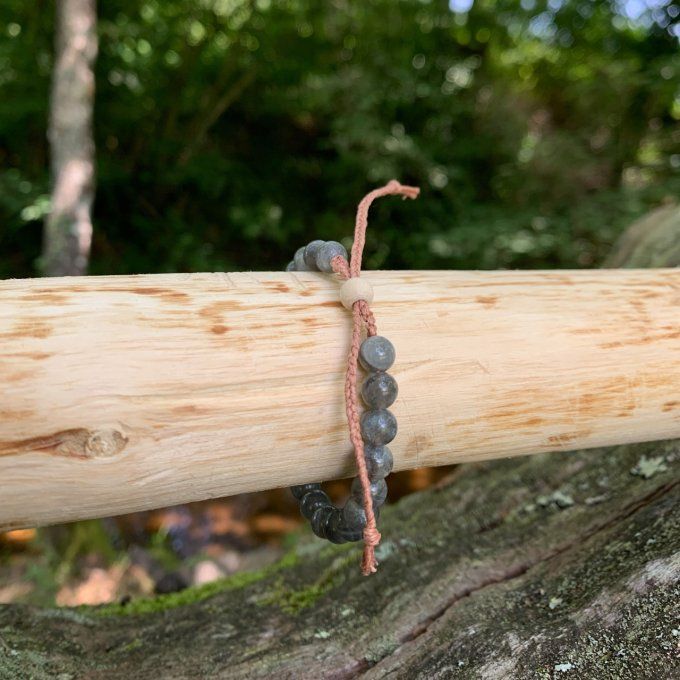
[
  {"x": 379, "y": 462},
  {"x": 378, "y": 427},
  {"x": 378, "y": 491},
  {"x": 290, "y": 267},
  {"x": 353, "y": 515},
  {"x": 343, "y": 535},
  {"x": 376, "y": 353},
  {"x": 320, "y": 519},
  {"x": 379, "y": 390},
  {"x": 312, "y": 501},
  {"x": 299, "y": 260},
  {"x": 299, "y": 490},
  {"x": 353, "y": 521},
  {"x": 335, "y": 531},
  {"x": 311, "y": 250},
  {"x": 326, "y": 253}
]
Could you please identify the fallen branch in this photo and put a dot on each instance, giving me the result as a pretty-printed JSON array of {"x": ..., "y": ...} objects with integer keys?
[{"x": 126, "y": 393}]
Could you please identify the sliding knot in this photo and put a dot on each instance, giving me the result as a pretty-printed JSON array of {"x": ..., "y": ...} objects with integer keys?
[
  {"x": 369, "y": 565},
  {"x": 371, "y": 536}
]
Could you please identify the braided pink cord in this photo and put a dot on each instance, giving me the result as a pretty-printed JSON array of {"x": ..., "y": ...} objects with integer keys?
[{"x": 362, "y": 314}]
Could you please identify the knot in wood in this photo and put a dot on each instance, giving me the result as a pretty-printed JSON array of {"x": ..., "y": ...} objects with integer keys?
[{"x": 104, "y": 443}]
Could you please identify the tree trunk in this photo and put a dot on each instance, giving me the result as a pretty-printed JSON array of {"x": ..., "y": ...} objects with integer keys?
[
  {"x": 561, "y": 565},
  {"x": 68, "y": 229}
]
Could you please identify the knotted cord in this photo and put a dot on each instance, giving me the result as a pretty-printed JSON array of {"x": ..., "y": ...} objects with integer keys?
[{"x": 362, "y": 315}]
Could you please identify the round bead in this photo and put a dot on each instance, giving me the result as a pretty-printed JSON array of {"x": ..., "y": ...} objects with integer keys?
[
  {"x": 290, "y": 267},
  {"x": 378, "y": 491},
  {"x": 378, "y": 427},
  {"x": 376, "y": 353},
  {"x": 353, "y": 515},
  {"x": 326, "y": 253},
  {"x": 353, "y": 521},
  {"x": 299, "y": 260},
  {"x": 335, "y": 532},
  {"x": 300, "y": 490},
  {"x": 345, "y": 535},
  {"x": 312, "y": 501},
  {"x": 379, "y": 462},
  {"x": 311, "y": 250},
  {"x": 320, "y": 519},
  {"x": 379, "y": 390},
  {"x": 355, "y": 289}
]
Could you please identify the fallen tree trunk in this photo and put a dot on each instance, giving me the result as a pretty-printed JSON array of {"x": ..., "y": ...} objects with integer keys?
[
  {"x": 128, "y": 393},
  {"x": 511, "y": 569},
  {"x": 549, "y": 566}
]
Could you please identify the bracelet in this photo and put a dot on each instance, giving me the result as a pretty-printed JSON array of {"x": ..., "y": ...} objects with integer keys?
[{"x": 377, "y": 426}]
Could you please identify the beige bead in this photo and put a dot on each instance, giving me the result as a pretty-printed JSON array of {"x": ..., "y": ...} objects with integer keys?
[{"x": 355, "y": 289}]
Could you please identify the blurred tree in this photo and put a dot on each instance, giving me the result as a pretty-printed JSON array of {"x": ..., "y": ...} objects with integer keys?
[{"x": 68, "y": 227}]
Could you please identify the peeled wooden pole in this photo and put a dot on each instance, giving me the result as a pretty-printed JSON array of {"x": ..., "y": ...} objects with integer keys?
[{"x": 126, "y": 393}]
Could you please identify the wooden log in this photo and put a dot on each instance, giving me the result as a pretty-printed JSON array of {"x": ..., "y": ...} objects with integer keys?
[{"x": 126, "y": 393}]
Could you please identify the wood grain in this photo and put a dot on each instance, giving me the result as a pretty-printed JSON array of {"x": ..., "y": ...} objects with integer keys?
[{"x": 127, "y": 393}]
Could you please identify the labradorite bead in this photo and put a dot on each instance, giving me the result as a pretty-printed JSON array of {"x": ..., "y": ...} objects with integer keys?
[
  {"x": 378, "y": 491},
  {"x": 334, "y": 528},
  {"x": 312, "y": 501},
  {"x": 326, "y": 253},
  {"x": 299, "y": 260},
  {"x": 353, "y": 515},
  {"x": 290, "y": 267},
  {"x": 378, "y": 427},
  {"x": 301, "y": 489},
  {"x": 353, "y": 521},
  {"x": 376, "y": 353},
  {"x": 311, "y": 250},
  {"x": 379, "y": 390},
  {"x": 320, "y": 519},
  {"x": 349, "y": 535},
  {"x": 379, "y": 462}
]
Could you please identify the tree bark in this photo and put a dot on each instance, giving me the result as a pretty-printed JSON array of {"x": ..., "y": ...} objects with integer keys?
[
  {"x": 68, "y": 229},
  {"x": 510, "y": 569},
  {"x": 562, "y": 565}
]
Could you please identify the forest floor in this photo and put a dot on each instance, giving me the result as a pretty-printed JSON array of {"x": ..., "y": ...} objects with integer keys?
[{"x": 162, "y": 551}]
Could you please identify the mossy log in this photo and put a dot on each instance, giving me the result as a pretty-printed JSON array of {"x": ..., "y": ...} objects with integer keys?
[
  {"x": 555, "y": 565},
  {"x": 562, "y": 565}
]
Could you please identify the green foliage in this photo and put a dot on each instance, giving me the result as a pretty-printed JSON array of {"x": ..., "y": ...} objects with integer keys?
[{"x": 229, "y": 132}]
